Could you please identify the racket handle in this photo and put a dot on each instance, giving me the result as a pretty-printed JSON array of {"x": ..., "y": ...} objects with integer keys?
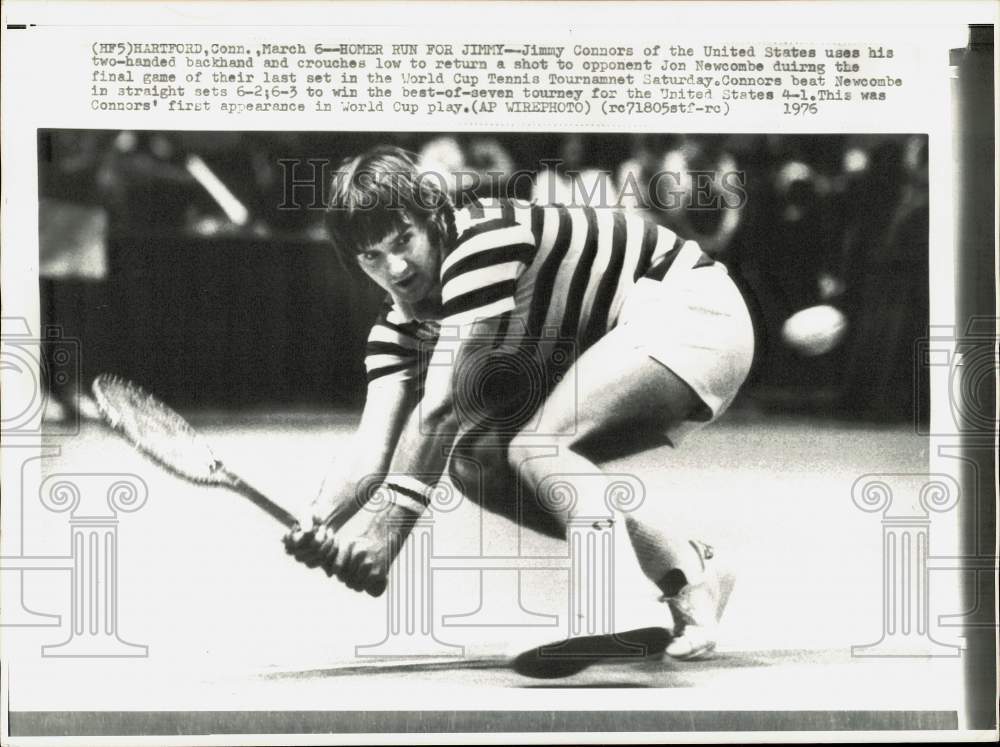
[{"x": 237, "y": 483}]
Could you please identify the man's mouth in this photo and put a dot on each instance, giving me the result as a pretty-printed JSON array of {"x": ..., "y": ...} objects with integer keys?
[{"x": 406, "y": 283}]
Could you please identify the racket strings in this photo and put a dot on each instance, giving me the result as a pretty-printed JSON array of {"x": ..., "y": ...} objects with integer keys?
[{"x": 156, "y": 430}]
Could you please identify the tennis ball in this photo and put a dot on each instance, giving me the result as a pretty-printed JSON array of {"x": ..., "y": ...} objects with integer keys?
[{"x": 815, "y": 330}]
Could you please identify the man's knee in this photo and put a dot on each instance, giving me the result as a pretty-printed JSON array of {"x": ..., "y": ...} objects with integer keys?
[
  {"x": 528, "y": 446},
  {"x": 480, "y": 467},
  {"x": 466, "y": 472},
  {"x": 477, "y": 463}
]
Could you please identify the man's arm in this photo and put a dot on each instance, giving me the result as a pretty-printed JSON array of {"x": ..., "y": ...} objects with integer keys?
[
  {"x": 366, "y": 460},
  {"x": 392, "y": 365},
  {"x": 355, "y": 473},
  {"x": 419, "y": 460},
  {"x": 494, "y": 245},
  {"x": 425, "y": 440}
]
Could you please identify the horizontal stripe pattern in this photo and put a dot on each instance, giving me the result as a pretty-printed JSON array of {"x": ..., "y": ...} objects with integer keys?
[
  {"x": 393, "y": 349},
  {"x": 561, "y": 273}
]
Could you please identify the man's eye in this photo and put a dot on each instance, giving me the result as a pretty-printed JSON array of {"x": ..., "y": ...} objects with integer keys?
[
  {"x": 404, "y": 238},
  {"x": 369, "y": 256}
]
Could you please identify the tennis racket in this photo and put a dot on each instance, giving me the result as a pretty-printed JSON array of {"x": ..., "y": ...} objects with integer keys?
[{"x": 170, "y": 441}]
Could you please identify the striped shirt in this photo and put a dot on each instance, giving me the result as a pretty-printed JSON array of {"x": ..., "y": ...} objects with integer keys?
[{"x": 557, "y": 277}]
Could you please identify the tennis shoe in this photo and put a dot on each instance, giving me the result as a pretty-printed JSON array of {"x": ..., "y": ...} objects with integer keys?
[{"x": 697, "y": 608}]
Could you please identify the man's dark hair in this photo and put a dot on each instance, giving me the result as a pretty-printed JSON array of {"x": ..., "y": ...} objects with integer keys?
[{"x": 383, "y": 191}]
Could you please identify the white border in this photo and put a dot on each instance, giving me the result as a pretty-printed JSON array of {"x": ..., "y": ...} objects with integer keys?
[{"x": 932, "y": 28}]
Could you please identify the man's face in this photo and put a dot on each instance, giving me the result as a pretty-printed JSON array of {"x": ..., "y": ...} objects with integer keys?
[{"x": 405, "y": 263}]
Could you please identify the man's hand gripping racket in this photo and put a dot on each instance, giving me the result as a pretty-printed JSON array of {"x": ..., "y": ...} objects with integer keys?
[{"x": 170, "y": 441}]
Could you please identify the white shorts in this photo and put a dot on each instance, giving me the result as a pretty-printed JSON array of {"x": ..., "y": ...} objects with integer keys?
[{"x": 696, "y": 323}]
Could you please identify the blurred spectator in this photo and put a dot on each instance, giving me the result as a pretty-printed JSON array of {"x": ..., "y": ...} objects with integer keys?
[
  {"x": 572, "y": 180},
  {"x": 885, "y": 261},
  {"x": 72, "y": 242},
  {"x": 144, "y": 184},
  {"x": 480, "y": 167},
  {"x": 72, "y": 222},
  {"x": 633, "y": 174},
  {"x": 489, "y": 159},
  {"x": 699, "y": 196},
  {"x": 443, "y": 156}
]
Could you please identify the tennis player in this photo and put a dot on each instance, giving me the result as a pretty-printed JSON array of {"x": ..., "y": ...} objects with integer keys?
[{"x": 637, "y": 331}]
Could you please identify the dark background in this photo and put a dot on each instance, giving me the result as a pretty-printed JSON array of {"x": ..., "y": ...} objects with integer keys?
[{"x": 212, "y": 315}]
